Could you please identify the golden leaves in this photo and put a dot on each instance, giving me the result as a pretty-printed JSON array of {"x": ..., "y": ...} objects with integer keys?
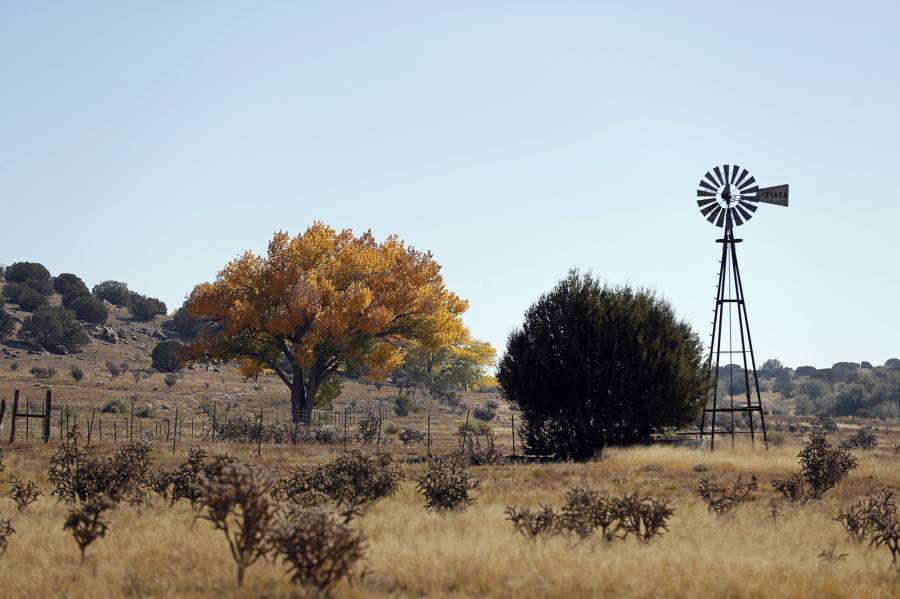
[{"x": 326, "y": 292}]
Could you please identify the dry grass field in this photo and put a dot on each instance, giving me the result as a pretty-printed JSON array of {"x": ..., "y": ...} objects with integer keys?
[
  {"x": 165, "y": 552},
  {"x": 162, "y": 551}
]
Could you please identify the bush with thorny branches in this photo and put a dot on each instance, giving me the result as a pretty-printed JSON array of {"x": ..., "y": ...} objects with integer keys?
[
  {"x": 822, "y": 467},
  {"x": 874, "y": 519},
  {"x": 353, "y": 482},
  {"x": 87, "y": 521},
  {"x": 237, "y": 501},
  {"x": 182, "y": 482},
  {"x": 23, "y": 495},
  {"x": 723, "y": 500},
  {"x": 317, "y": 549},
  {"x": 446, "y": 484}
]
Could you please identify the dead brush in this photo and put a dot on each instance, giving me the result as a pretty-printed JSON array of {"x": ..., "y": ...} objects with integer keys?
[
  {"x": 317, "y": 549},
  {"x": 87, "y": 521},
  {"x": 353, "y": 482},
  {"x": 446, "y": 484},
  {"x": 368, "y": 430},
  {"x": 237, "y": 501},
  {"x": 860, "y": 519},
  {"x": 724, "y": 500},
  {"x": 23, "y": 495},
  {"x": 6, "y": 531},
  {"x": 182, "y": 482},
  {"x": 533, "y": 524},
  {"x": 586, "y": 510},
  {"x": 822, "y": 467},
  {"x": 76, "y": 477},
  {"x": 473, "y": 452},
  {"x": 643, "y": 517},
  {"x": 864, "y": 438}
]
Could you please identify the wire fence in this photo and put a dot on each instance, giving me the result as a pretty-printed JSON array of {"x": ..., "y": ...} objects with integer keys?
[{"x": 218, "y": 425}]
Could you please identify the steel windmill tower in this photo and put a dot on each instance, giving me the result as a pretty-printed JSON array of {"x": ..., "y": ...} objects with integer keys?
[{"x": 728, "y": 196}]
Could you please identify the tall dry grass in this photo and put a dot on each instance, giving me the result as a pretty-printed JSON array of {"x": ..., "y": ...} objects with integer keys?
[{"x": 165, "y": 552}]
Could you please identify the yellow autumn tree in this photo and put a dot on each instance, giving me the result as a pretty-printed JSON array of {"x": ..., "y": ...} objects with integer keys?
[
  {"x": 322, "y": 302},
  {"x": 455, "y": 366}
]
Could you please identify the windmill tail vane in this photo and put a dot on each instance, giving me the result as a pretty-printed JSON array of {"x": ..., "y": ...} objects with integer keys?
[{"x": 728, "y": 196}]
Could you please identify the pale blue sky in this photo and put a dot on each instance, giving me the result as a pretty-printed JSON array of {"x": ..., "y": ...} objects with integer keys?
[{"x": 152, "y": 142}]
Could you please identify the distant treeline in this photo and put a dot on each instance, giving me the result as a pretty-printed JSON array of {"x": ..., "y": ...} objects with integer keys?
[{"x": 846, "y": 389}]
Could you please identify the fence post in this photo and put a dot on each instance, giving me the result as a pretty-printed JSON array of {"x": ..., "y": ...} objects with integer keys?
[
  {"x": 2, "y": 412},
  {"x": 12, "y": 415},
  {"x": 175, "y": 430},
  {"x": 48, "y": 411},
  {"x": 214, "y": 424},
  {"x": 131, "y": 429},
  {"x": 428, "y": 444},
  {"x": 512, "y": 418},
  {"x": 259, "y": 439},
  {"x": 90, "y": 426},
  {"x": 27, "y": 419}
]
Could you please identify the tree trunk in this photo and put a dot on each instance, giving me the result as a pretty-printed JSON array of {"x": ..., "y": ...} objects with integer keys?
[{"x": 301, "y": 398}]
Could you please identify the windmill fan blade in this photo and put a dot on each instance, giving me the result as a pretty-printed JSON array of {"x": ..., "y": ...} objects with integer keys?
[
  {"x": 721, "y": 219},
  {"x": 708, "y": 209},
  {"x": 747, "y": 215},
  {"x": 712, "y": 180},
  {"x": 734, "y": 172},
  {"x": 727, "y": 178},
  {"x": 750, "y": 190},
  {"x": 747, "y": 183},
  {"x": 705, "y": 194},
  {"x": 719, "y": 175},
  {"x": 706, "y": 185},
  {"x": 705, "y": 202},
  {"x": 747, "y": 205},
  {"x": 737, "y": 217},
  {"x": 743, "y": 176},
  {"x": 715, "y": 213}
]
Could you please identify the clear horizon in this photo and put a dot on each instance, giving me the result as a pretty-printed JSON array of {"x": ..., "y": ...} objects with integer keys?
[{"x": 152, "y": 144}]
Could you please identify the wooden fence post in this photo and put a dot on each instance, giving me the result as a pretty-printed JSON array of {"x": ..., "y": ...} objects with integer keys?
[
  {"x": 428, "y": 443},
  {"x": 2, "y": 412},
  {"x": 513, "y": 425},
  {"x": 48, "y": 411},
  {"x": 259, "y": 440},
  {"x": 12, "y": 419}
]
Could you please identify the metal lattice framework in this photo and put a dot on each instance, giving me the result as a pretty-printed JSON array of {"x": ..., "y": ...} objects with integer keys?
[{"x": 728, "y": 196}]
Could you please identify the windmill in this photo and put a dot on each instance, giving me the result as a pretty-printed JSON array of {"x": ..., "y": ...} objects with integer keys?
[{"x": 728, "y": 196}]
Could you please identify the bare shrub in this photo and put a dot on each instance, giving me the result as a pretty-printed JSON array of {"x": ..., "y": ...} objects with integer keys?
[
  {"x": 887, "y": 534},
  {"x": 182, "y": 483},
  {"x": 317, "y": 549},
  {"x": 723, "y": 500},
  {"x": 821, "y": 468},
  {"x": 532, "y": 524},
  {"x": 87, "y": 521},
  {"x": 23, "y": 495},
  {"x": 475, "y": 453},
  {"x": 114, "y": 369},
  {"x": 446, "y": 484},
  {"x": 76, "y": 477},
  {"x": 6, "y": 531},
  {"x": 861, "y": 519},
  {"x": 237, "y": 502},
  {"x": 587, "y": 510},
  {"x": 353, "y": 482},
  {"x": 40, "y": 372},
  {"x": 484, "y": 412},
  {"x": 643, "y": 517},
  {"x": 410, "y": 436},
  {"x": 76, "y": 373},
  {"x": 367, "y": 429},
  {"x": 825, "y": 423},
  {"x": 863, "y": 438}
]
